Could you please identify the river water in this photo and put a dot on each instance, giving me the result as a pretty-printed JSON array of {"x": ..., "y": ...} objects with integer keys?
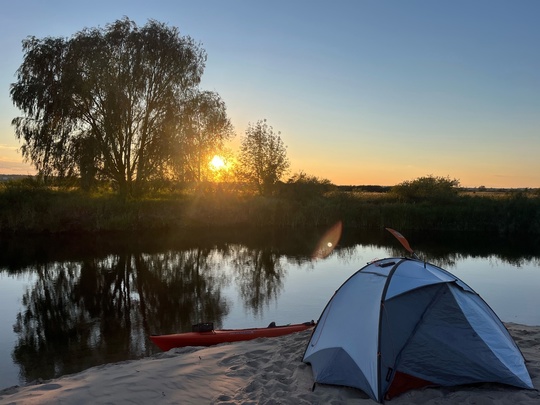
[{"x": 68, "y": 303}]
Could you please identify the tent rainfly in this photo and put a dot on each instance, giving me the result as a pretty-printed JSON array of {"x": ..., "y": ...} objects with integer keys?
[{"x": 399, "y": 324}]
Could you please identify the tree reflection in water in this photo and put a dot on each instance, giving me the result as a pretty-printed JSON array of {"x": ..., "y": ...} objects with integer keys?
[
  {"x": 95, "y": 302},
  {"x": 259, "y": 276},
  {"x": 97, "y": 311}
]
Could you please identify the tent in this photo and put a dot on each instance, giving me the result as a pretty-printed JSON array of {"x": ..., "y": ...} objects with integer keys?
[{"x": 400, "y": 323}]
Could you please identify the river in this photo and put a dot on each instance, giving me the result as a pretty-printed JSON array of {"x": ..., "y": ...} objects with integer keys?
[{"x": 72, "y": 302}]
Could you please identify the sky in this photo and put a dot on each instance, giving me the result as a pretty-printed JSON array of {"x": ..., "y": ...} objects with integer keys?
[{"x": 362, "y": 91}]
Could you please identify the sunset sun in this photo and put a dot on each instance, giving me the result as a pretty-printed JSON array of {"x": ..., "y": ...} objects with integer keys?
[{"x": 217, "y": 163}]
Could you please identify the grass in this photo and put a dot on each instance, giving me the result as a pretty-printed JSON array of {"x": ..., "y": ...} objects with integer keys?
[{"x": 27, "y": 208}]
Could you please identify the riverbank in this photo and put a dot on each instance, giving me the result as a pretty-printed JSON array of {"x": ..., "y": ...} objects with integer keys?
[
  {"x": 46, "y": 211},
  {"x": 263, "y": 371}
]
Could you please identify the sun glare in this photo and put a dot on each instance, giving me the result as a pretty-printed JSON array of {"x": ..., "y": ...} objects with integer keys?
[{"x": 217, "y": 163}]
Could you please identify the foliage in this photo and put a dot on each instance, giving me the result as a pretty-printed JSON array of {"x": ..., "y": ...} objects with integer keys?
[
  {"x": 428, "y": 188},
  {"x": 224, "y": 174},
  {"x": 520, "y": 213},
  {"x": 108, "y": 101},
  {"x": 302, "y": 186},
  {"x": 30, "y": 206},
  {"x": 263, "y": 157},
  {"x": 204, "y": 129}
]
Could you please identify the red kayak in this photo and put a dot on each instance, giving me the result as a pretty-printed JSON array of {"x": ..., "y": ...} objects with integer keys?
[{"x": 213, "y": 337}]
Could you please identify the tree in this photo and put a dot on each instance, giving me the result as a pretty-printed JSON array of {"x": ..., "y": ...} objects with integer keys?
[
  {"x": 203, "y": 131},
  {"x": 263, "y": 157},
  {"x": 119, "y": 89}
]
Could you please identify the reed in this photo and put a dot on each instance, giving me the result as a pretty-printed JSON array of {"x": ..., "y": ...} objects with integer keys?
[{"x": 38, "y": 209}]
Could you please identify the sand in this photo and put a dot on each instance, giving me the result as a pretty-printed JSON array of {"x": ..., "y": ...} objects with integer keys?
[{"x": 262, "y": 371}]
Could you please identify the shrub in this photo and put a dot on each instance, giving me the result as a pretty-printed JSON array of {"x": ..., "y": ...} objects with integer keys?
[
  {"x": 429, "y": 188},
  {"x": 302, "y": 186}
]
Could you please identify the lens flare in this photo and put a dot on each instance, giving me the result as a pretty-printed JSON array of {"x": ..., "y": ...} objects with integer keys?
[{"x": 328, "y": 242}]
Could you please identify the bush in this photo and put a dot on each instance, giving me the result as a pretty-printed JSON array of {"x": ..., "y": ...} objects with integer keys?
[
  {"x": 429, "y": 188},
  {"x": 302, "y": 186}
]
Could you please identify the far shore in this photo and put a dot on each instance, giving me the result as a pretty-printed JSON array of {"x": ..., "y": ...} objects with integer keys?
[{"x": 37, "y": 209}]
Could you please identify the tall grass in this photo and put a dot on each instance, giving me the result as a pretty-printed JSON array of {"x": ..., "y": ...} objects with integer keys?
[{"x": 38, "y": 209}]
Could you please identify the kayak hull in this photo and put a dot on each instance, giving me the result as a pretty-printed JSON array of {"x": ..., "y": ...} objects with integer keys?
[{"x": 214, "y": 337}]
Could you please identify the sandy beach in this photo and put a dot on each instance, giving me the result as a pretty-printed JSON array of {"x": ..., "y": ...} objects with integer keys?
[{"x": 262, "y": 371}]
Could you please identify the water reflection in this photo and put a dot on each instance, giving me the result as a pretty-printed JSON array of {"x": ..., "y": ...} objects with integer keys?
[
  {"x": 99, "y": 311},
  {"x": 445, "y": 249},
  {"x": 95, "y": 300},
  {"x": 79, "y": 313},
  {"x": 259, "y": 276}
]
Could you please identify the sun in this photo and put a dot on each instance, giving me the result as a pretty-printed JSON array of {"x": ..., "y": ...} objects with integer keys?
[{"x": 217, "y": 163}]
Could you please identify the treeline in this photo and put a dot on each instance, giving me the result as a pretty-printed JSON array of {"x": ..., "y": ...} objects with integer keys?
[
  {"x": 123, "y": 104},
  {"x": 29, "y": 207}
]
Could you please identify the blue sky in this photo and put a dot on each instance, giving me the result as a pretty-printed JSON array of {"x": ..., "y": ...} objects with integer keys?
[{"x": 363, "y": 92}]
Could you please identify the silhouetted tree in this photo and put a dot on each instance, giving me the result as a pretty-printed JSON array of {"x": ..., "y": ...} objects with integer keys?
[
  {"x": 203, "y": 130},
  {"x": 122, "y": 86},
  {"x": 263, "y": 157}
]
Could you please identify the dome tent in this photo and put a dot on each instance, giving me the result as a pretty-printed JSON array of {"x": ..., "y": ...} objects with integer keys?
[{"x": 400, "y": 323}]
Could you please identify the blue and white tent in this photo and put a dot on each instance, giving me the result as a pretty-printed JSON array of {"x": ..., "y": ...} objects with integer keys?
[{"x": 401, "y": 323}]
